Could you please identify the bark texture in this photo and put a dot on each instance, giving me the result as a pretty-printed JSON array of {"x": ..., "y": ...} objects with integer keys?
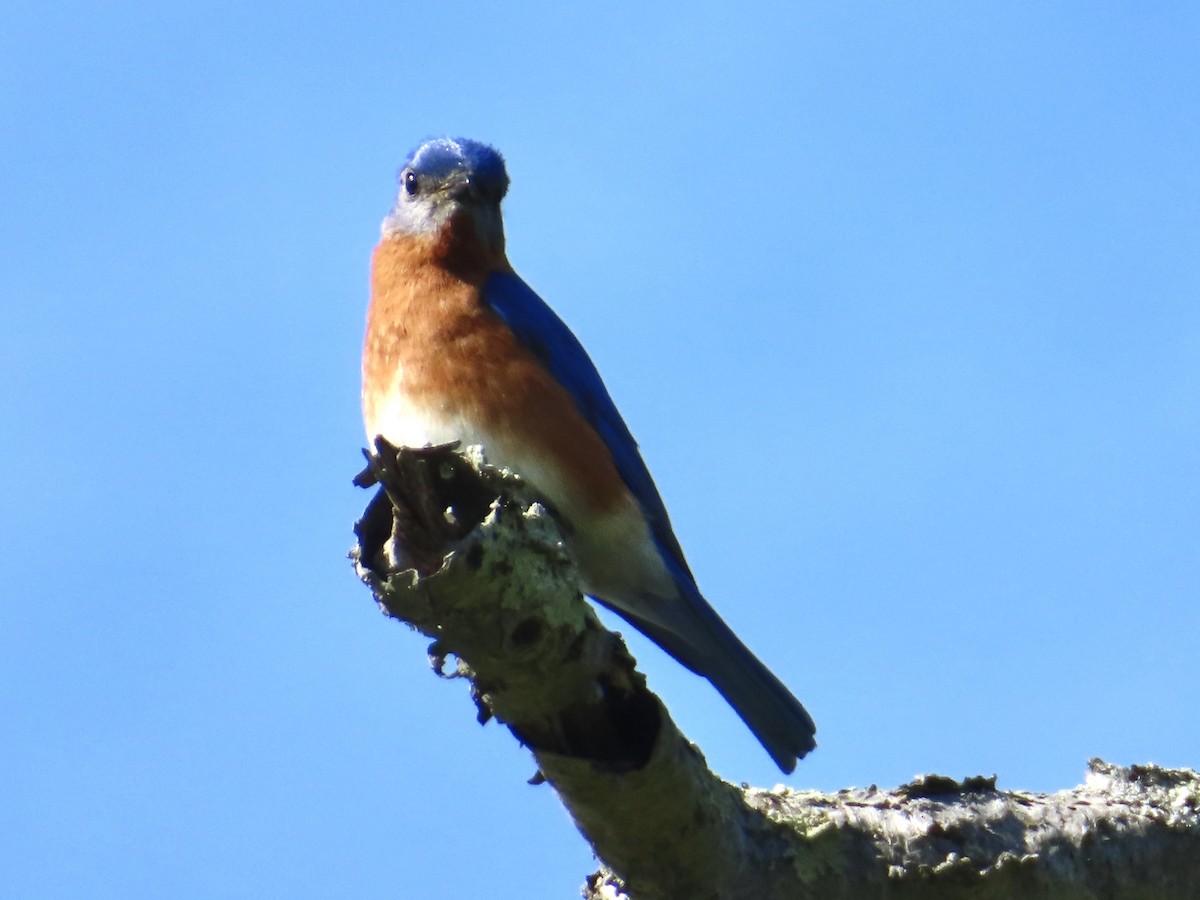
[{"x": 464, "y": 554}]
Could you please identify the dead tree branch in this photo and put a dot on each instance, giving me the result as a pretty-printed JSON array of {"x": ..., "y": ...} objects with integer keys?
[{"x": 464, "y": 554}]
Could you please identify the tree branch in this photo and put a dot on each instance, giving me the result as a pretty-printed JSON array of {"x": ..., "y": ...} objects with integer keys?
[{"x": 467, "y": 556}]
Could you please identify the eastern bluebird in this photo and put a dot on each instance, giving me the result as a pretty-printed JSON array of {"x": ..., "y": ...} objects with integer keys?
[{"x": 459, "y": 348}]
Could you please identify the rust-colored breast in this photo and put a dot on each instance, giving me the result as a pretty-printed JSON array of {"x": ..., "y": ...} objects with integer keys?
[{"x": 434, "y": 349}]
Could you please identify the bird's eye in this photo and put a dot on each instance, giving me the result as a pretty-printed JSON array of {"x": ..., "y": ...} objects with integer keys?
[{"x": 410, "y": 183}]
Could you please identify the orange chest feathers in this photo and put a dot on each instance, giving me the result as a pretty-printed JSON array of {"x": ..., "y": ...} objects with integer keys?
[{"x": 439, "y": 364}]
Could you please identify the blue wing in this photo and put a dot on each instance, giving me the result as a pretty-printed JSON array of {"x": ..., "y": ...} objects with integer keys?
[
  {"x": 549, "y": 339},
  {"x": 690, "y": 630}
]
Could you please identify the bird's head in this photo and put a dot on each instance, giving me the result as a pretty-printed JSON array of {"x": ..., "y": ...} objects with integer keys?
[{"x": 447, "y": 179}]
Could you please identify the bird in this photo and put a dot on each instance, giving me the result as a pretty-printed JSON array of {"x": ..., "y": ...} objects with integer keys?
[{"x": 458, "y": 348}]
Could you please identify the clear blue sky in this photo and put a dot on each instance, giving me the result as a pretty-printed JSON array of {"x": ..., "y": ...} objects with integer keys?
[{"x": 903, "y": 305}]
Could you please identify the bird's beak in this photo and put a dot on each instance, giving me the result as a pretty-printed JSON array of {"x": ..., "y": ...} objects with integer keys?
[{"x": 464, "y": 191}]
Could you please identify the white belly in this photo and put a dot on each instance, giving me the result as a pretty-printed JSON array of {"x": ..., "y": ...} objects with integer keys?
[{"x": 614, "y": 550}]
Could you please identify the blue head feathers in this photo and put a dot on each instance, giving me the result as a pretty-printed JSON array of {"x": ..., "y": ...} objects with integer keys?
[
  {"x": 450, "y": 160},
  {"x": 443, "y": 174}
]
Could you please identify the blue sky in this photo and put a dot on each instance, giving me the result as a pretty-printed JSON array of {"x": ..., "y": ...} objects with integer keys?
[{"x": 903, "y": 305}]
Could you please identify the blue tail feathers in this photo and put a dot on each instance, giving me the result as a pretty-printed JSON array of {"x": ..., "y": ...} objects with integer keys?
[{"x": 689, "y": 629}]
